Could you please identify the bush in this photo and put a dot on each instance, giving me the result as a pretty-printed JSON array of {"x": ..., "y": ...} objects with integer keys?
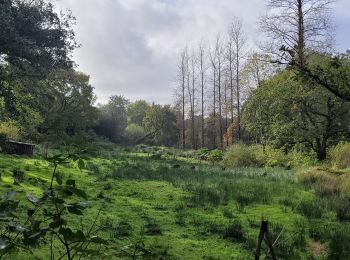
[
  {"x": 134, "y": 132},
  {"x": 152, "y": 227},
  {"x": 339, "y": 155},
  {"x": 240, "y": 155},
  {"x": 215, "y": 155},
  {"x": 234, "y": 232},
  {"x": 312, "y": 208},
  {"x": 10, "y": 129},
  {"x": 339, "y": 247},
  {"x": 123, "y": 229},
  {"x": 324, "y": 182},
  {"x": 18, "y": 176},
  {"x": 202, "y": 154}
]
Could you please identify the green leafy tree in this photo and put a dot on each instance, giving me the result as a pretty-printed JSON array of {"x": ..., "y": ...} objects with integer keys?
[
  {"x": 160, "y": 123},
  {"x": 136, "y": 111},
  {"x": 34, "y": 40},
  {"x": 112, "y": 120},
  {"x": 67, "y": 104},
  {"x": 288, "y": 110}
]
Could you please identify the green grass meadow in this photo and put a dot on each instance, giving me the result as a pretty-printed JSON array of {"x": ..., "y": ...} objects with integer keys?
[{"x": 183, "y": 208}]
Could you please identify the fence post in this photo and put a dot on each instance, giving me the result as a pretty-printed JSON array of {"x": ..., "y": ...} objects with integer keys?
[{"x": 264, "y": 233}]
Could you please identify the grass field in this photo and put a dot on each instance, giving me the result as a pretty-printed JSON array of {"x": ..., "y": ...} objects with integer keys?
[{"x": 183, "y": 208}]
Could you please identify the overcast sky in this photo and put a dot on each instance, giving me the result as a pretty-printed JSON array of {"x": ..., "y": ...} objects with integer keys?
[{"x": 130, "y": 47}]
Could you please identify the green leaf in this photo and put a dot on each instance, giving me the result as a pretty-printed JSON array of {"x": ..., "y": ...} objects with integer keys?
[
  {"x": 98, "y": 240},
  {"x": 81, "y": 164},
  {"x": 79, "y": 235},
  {"x": 30, "y": 212},
  {"x": 73, "y": 209},
  {"x": 58, "y": 200},
  {"x": 32, "y": 199},
  {"x": 77, "y": 192},
  {"x": 67, "y": 233},
  {"x": 70, "y": 182},
  {"x": 59, "y": 178},
  {"x": 57, "y": 223}
]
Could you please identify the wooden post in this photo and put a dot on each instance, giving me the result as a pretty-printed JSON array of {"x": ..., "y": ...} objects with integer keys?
[{"x": 264, "y": 233}]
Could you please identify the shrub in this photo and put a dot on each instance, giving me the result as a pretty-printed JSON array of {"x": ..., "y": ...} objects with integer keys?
[
  {"x": 227, "y": 213},
  {"x": 312, "y": 208},
  {"x": 339, "y": 247},
  {"x": 325, "y": 183},
  {"x": 339, "y": 155},
  {"x": 123, "y": 229},
  {"x": 342, "y": 208},
  {"x": 240, "y": 155},
  {"x": 215, "y": 155},
  {"x": 134, "y": 131},
  {"x": 204, "y": 194},
  {"x": 234, "y": 231},
  {"x": 152, "y": 227},
  {"x": 18, "y": 176},
  {"x": 10, "y": 129},
  {"x": 274, "y": 157},
  {"x": 202, "y": 154},
  {"x": 298, "y": 158}
]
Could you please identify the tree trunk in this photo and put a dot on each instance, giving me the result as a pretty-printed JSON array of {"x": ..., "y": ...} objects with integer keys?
[
  {"x": 194, "y": 143},
  {"x": 321, "y": 149},
  {"x": 214, "y": 110},
  {"x": 220, "y": 105},
  {"x": 238, "y": 97},
  {"x": 183, "y": 115},
  {"x": 202, "y": 88},
  {"x": 301, "y": 34}
]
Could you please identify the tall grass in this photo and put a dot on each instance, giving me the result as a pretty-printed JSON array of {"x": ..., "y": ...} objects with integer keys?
[{"x": 339, "y": 155}]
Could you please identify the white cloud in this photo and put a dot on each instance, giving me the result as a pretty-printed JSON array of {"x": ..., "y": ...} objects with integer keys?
[{"x": 130, "y": 47}]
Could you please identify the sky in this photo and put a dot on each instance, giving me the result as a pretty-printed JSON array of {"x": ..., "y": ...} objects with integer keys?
[{"x": 131, "y": 47}]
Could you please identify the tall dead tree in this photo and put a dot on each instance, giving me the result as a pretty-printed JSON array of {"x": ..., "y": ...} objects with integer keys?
[
  {"x": 182, "y": 77},
  {"x": 230, "y": 68},
  {"x": 192, "y": 101},
  {"x": 219, "y": 59},
  {"x": 212, "y": 56},
  {"x": 226, "y": 113},
  {"x": 296, "y": 28},
  {"x": 202, "y": 74},
  {"x": 238, "y": 39}
]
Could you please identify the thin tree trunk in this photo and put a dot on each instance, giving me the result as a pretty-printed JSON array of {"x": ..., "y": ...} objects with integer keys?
[
  {"x": 183, "y": 111},
  {"x": 220, "y": 104},
  {"x": 202, "y": 92},
  {"x": 226, "y": 118},
  {"x": 194, "y": 143},
  {"x": 301, "y": 33},
  {"x": 238, "y": 96},
  {"x": 214, "y": 109},
  {"x": 232, "y": 97}
]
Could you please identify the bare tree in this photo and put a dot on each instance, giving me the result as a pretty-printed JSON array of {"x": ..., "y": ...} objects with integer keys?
[
  {"x": 226, "y": 112},
  {"x": 295, "y": 27},
  {"x": 212, "y": 56},
  {"x": 182, "y": 74},
  {"x": 192, "y": 94},
  {"x": 202, "y": 75},
  {"x": 238, "y": 39},
  {"x": 230, "y": 59},
  {"x": 219, "y": 59}
]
